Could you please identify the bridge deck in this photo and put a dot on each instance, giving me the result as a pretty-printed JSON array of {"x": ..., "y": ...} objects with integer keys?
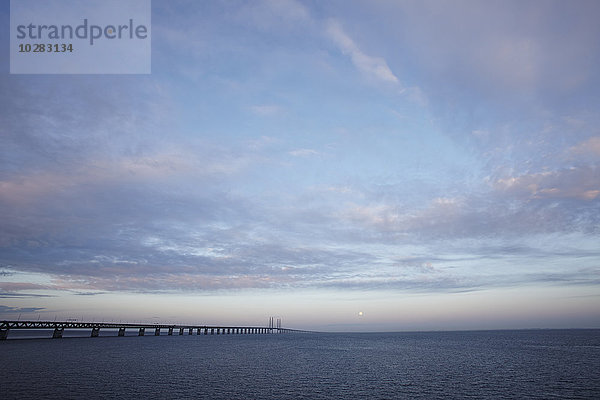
[{"x": 60, "y": 326}]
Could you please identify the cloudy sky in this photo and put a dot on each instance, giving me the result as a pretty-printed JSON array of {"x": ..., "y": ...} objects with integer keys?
[{"x": 431, "y": 164}]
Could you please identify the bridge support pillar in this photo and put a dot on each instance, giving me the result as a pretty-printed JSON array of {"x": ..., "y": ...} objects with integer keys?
[
  {"x": 171, "y": 331},
  {"x": 212, "y": 331},
  {"x": 95, "y": 332},
  {"x": 58, "y": 332},
  {"x": 191, "y": 331},
  {"x": 122, "y": 331},
  {"x": 3, "y": 334},
  {"x": 198, "y": 330},
  {"x": 206, "y": 331},
  {"x": 157, "y": 332},
  {"x": 142, "y": 331},
  {"x": 180, "y": 331}
]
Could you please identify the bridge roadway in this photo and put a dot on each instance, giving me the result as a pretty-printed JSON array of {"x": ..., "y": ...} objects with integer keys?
[{"x": 59, "y": 328}]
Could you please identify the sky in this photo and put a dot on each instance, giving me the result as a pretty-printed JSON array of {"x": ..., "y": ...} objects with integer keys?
[{"x": 343, "y": 165}]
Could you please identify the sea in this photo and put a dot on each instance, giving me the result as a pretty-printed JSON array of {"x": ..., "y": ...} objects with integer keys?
[{"x": 518, "y": 364}]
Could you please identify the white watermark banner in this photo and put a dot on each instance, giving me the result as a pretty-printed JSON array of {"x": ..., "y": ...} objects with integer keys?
[{"x": 80, "y": 37}]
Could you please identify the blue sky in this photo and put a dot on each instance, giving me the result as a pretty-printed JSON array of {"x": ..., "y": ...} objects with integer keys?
[{"x": 435, "y": 165}]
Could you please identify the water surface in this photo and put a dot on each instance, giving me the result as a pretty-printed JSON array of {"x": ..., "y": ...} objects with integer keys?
[{"x": 540, "y": 364}]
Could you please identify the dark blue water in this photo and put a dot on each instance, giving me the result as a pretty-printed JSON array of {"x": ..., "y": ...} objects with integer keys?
[{"x": 541, "y": 364}]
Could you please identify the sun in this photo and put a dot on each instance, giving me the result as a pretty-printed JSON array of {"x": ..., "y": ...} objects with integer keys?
[{"x": 360, "y": 313}]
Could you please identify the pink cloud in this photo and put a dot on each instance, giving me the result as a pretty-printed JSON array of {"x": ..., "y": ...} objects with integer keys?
[{"x": 578, "y": 183}]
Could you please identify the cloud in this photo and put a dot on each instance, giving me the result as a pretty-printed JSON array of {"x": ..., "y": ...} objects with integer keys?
[
  {"x": 304, "y": 152},
  {"x": 577, "y": 183},
  {"x": 559, "y": 202},
  {"x": 439, "y": 215},
  {"x": 17, "y": 290},
  {"x": 21, "y": 295},
  {"x": 19, "y": 310},
  {"x": 501, "y": 46},
  {"x": 588, "y": 147},
  {"x": 126, "y": 177},
  {"x": 10, "y": 287},
  {"x": 123, "y": 186},
  {"x": 373, "y": 67}
]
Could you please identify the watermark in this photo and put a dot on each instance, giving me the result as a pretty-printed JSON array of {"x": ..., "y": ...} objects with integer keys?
[{"x": 80, "y": 37}]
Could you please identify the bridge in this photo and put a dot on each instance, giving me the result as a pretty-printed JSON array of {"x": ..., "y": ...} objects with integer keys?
[{"x": 181, "y": 329}]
